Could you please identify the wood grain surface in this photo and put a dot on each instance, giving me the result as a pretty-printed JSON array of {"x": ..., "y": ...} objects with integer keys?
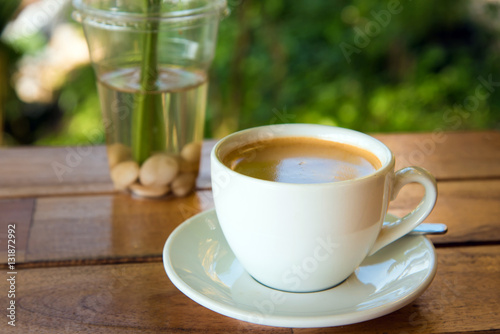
[
  {"x": 88, "y": 259},
  {"x": 127, "y": 298},
  {"x": 470, "y": 209},
  {"x": 66, "y": 170},
  {"x": 53, "y": 170},
  {"x": 116, "y": 227},
  {"x": 107, "y": 227},
  {"x": 448, "y": 155},
  {"x": 16, "y": 215}
]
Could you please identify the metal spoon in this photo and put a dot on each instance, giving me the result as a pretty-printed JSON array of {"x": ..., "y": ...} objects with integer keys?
[{"x": 429, "y": 228}]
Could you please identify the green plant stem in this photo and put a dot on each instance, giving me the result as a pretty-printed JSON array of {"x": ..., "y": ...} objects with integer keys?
[{"x": 146, "y": 100}]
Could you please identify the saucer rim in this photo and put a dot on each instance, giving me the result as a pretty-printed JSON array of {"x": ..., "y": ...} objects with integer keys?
[{"x": 292, "y": 321}]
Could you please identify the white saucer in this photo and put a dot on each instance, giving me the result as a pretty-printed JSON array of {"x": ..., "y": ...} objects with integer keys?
[{"x": 200, "y": 263}]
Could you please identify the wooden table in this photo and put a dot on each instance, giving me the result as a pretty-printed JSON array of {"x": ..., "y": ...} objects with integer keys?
[{"x": 89, "y": 259}]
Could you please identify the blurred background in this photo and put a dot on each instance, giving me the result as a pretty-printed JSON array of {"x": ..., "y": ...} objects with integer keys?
[{"x": 370, "y": 65}]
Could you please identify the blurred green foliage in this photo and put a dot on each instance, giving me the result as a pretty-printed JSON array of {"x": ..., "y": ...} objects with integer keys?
[
  {"x": 416, "y": 68},
  {"x": 370, "y": 65}
]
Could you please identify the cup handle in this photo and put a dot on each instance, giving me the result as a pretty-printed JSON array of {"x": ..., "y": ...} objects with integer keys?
[{"x": 404, "y": 225}]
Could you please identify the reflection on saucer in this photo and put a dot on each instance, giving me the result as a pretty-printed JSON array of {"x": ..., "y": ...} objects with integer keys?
[{"x": 200, "y": 263}]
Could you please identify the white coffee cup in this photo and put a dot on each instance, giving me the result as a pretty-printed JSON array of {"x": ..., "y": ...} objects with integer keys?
[{"x": 310, "y": 237}]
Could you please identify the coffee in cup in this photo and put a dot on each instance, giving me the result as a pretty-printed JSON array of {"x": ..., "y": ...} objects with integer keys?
[{"x": 301, "y": 160}]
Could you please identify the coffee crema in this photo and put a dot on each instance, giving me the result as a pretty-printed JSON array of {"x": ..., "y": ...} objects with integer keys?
[{"x": 301, "y": 160}]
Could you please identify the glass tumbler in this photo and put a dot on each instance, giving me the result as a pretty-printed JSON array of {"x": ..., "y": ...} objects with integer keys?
[{"x": 151, "y": 59}]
